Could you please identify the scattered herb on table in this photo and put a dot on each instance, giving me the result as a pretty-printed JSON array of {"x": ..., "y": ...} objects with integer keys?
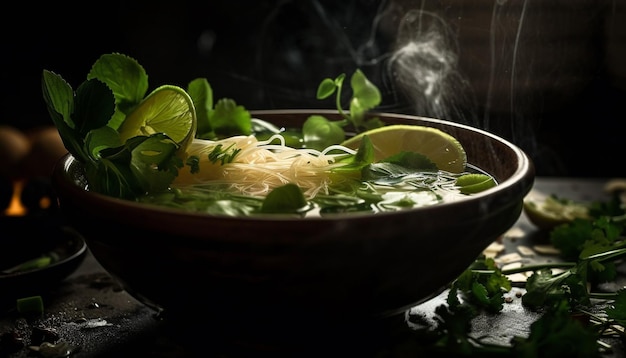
[{"x": 575, "y": 319}]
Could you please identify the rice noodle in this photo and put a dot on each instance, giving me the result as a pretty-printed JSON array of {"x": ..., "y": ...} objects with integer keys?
[{"x": 261, "y": 166}]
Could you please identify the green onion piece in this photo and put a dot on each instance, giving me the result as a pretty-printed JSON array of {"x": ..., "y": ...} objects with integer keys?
[{"x": 30, "y": 305}]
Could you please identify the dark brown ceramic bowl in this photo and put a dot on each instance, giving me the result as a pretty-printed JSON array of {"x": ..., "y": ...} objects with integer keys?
[{"x": 271, "y": 274}]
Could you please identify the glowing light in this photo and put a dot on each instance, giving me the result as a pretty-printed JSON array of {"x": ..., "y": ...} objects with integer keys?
[{"x": 15, "y": 206}]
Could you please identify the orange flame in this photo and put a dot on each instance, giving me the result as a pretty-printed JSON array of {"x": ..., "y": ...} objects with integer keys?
[{"x": 15, "y": 207}]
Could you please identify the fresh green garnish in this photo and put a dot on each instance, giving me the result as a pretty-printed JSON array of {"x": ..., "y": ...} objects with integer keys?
[
  {"x": 133, "y": 144},
  {"x": 562, "y": 292},
  {"x": 130, "y": 143},
  {"x": 319, "y": 132},
  {"x": 32, "y": 264}
]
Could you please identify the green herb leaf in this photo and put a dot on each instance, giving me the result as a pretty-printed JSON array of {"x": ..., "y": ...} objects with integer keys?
[
  {"x": 59, "y": 98},
  {"x": 319, "y": 133},
  {"x": 142, "y": 164},
  {"x": 94, "y": 106},
  {"x": 365, "y": 97},
  {"x": 617, "y": 311},
  {"x": 228, "y": 119},
  {"x": 126, "y": 78},
  {"x": 201, "y": 93},
  {"x": 328, "y": 86},
  {"x": 557, "y": 334},
  {"x": 544, "y": 289},
  {"x": 286, "y": 199}
]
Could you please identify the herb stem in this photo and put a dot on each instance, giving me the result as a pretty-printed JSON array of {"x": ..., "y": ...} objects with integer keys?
[{"x": 538, "y": 267}]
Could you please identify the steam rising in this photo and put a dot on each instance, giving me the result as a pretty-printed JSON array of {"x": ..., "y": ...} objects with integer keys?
[{"x": 424, "y": 66}]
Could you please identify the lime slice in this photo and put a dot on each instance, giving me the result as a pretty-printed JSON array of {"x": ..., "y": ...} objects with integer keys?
[
  {"x": 169, "y": 110},
  {"x": 440, "y": 147},
  {"x": 474, "y": 183},
  {"x": 550, "y": 212}
]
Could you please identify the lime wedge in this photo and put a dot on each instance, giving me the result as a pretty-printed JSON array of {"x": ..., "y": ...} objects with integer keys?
[
  {"x": 440, "y": 147},
  {"x": 551, "y": 212},
  {"x": 169, "y": 110},
  {"x": 474, "y": 183}
]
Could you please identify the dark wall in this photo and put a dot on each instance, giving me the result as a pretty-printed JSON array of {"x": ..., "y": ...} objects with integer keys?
[{"x": 549, "y": 76}]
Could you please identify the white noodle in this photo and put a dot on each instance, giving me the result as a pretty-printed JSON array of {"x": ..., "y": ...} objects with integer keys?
[{"x": 261, "y": 166}]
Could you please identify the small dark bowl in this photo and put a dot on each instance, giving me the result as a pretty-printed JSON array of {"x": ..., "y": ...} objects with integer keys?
[
  {"x": 30, "y": 237},
  {"x": 265, "y": 276}
]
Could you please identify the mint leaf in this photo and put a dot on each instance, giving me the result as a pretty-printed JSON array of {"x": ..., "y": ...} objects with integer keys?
[
  {"x": 94, "y": 106},
  {"x": 59, "y": 98},
  {"x": 125, "y": 77}
]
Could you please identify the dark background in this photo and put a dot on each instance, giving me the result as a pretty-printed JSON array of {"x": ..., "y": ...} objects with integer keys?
[{"x": 549, "y": 76}]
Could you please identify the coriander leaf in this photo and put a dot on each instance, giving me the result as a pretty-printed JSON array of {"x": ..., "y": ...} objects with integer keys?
[
  {"x": 557, "y": 334},
  {"x": 201, "y": 93},
  {"x": 570, "y": 238},
  {"x": 223, "y": 155},
  {"x": 611, "y": 207},
  {"x": 543, "y": 288},
  {"x": 193, "y": 162},
  {"x": 228, "y": 119},
  {"x": 617, "y": 311},
  {"x": 483, "y": 284},
  {"x": 320, "y": 133},
  {"x": 454, "y": 323},
  {"x": 285, "y": 199}
]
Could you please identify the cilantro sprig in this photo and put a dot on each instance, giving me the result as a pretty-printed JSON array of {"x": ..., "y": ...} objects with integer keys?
[{"x": 575, "y": 316}]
